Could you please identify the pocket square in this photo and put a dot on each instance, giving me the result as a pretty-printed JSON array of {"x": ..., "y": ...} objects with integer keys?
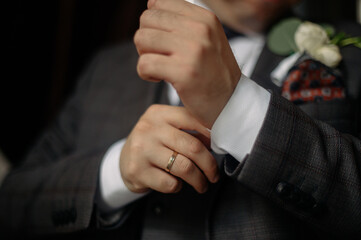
[{"x": 310, "y": 80}]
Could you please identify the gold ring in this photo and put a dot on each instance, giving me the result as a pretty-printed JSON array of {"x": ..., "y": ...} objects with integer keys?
[{"x": 171, "y": 161}]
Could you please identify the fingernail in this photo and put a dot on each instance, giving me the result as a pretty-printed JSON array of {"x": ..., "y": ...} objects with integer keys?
[{"x": 216, "y": 178}]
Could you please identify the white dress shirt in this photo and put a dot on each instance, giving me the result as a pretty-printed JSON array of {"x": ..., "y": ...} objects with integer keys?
[{"x": 234, "y": 131}]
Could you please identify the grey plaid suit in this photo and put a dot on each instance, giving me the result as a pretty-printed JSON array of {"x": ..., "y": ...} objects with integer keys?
[{"x": 302, "y": 179}]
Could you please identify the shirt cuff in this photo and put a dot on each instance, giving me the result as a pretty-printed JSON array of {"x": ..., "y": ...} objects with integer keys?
[
  {"x": 113, "y": 192},
  {"x": 236, "y": 128}
]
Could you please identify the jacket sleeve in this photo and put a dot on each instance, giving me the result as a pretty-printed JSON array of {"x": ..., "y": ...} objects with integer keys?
[
  {"x": 306, "y": 167},
  {"x": 53, "y": 189}
]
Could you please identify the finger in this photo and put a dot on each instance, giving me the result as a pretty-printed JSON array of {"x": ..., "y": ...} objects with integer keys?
[
  {"x": 149, "y": 40},
  {"x": 190, "y": 173},
  {"x": 180, "y": 118},
  {"x": 160, "y": 181},
  {"x": 160, "y": 19},
  {"x": 192, "y": 148},
  {"x": 205, "y": 140},
  {"x": 181, "y": 7},
  {"x": 182, "y": 168},
  {"x": 169, "y": 22},
  {"x": 157, "y": 66},
  {"x": 182, "y": 26}
]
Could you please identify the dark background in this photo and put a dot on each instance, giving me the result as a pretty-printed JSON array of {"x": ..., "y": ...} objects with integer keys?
[{"x": 49, "y": 42}]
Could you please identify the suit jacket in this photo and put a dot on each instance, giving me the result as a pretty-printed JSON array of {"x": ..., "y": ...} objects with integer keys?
[{"x": 302, "y": 179}]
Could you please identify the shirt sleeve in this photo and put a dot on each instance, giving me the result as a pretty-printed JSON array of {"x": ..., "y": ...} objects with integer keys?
[
  {"x": 112, "y": 190},
  {"x": 236, "y": 128}
]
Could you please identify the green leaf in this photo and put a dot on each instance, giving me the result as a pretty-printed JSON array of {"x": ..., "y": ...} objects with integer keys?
[
  {"x": 281, "y": 37},
  {"x": 338, "y": 38},
  {"x": 349, "y": 41}
]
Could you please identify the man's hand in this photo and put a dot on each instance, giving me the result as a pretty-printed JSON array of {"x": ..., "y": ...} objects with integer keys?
[
  {"x": 149, "y": 146},
  {"x": 185, "y": 45}
]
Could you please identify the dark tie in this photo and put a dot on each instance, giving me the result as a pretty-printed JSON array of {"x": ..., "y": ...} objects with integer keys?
[{"x": 312, "y": 81}]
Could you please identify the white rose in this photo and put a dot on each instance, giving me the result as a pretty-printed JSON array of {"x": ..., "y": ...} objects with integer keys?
[
  {"x": 328, "y": 54},
  {"x": 309, "y": 37}
]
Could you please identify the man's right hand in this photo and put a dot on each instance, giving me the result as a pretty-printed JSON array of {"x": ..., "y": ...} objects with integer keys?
[{"x": 151, "y": 143}]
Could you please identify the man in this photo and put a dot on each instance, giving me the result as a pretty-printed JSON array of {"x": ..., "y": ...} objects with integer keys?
[{"x": 116, "y": 162}]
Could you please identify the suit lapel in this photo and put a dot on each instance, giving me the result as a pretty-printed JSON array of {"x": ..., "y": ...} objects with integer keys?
[{"x": 267, "y": 62}]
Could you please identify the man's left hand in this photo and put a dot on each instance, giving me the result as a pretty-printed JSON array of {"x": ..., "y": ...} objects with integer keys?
[{"x": 185, "y": 45}]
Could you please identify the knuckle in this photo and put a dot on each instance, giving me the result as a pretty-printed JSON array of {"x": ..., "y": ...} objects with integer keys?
[
  {"x": 149, "y": 15},
  {"x": 144, "y": 66},
  {"x": 195, "y": 146},
  {"x": 136, "y": 37},
  {"x": 156, "y": 3},
  {"x": 131, "y": 171},
  {"x": 144, "y": 16},
  {"x": 190, "y": 72},
  {"x": 212, "y": 17},
  {"x": 136, "y": 187},
  {"x": 139, "y": 36},
  {"x": 142, "y": 127},
  {"x": 154, "y": 109},
  {"x": 136, "y": 147},
  {"x": 203, "y": 30},
  {"x": 137, "y": 144}
]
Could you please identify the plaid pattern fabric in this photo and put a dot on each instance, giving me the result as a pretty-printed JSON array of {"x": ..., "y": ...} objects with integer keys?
[{"x": 311, "y": 80}]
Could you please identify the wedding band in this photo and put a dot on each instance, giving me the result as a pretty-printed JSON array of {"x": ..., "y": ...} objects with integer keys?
[{"x": 171, "y": 161}]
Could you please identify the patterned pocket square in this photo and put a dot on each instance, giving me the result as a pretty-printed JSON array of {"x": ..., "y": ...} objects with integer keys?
[{"x": 310, "y": 80}]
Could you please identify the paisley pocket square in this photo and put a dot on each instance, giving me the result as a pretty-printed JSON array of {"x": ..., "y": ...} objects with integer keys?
[{"x": 310, "y": 80}]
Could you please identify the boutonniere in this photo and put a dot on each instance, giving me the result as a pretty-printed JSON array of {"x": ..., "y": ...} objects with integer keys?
[{"x": 293, "y": 38}]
